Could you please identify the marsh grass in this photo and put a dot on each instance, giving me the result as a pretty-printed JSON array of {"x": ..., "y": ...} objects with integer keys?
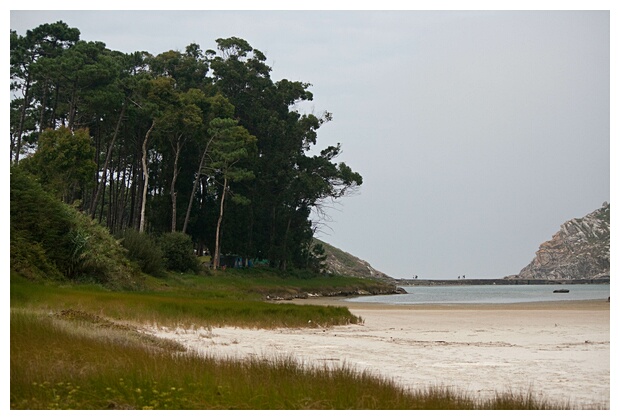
[
  {"x": 176, "y": 307},
  {"x": 262, "y": 282},
  {"x": 76, "y": 360},
  {"x": 80, "y": 347}
]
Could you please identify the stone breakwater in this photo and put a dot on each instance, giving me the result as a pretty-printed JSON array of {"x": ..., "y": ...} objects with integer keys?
[{"x": 512, "y": 280}]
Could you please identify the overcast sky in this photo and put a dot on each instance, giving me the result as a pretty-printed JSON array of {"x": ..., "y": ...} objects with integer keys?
[{"x": 477, "y": 133}]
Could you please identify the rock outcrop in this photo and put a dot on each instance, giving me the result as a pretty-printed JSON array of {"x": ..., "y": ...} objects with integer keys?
[
  {"x": 579, "y": 250},
  {"x": 342, "y": 263}
]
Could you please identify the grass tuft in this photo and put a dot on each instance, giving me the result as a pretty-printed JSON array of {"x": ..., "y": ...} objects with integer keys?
[
  {"x": 80, "y": 347},
  {"x": 75, "y": 360}
]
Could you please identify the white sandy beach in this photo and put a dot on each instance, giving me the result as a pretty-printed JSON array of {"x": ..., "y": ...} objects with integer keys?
[{"x": 559, "y": 351}]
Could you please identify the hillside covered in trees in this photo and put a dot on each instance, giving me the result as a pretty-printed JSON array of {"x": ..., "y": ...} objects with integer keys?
[{"x": 196, "y": 142}]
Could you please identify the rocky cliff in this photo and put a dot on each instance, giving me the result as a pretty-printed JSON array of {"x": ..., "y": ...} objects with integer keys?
[
  {"x": 342, "y": 263},
  {"x": 579, "y": 250}
]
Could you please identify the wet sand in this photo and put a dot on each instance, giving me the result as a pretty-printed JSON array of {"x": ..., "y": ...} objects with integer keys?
[{"x": 559, "y": 351}]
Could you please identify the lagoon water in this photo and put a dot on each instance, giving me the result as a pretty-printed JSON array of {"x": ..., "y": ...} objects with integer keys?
[{"x": 490, "y": 294}]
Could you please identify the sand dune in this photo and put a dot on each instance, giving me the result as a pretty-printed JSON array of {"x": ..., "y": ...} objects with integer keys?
[{"x": 558, "y": 351}]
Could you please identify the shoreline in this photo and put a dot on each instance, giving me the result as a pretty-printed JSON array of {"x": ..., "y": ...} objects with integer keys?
[
  {"x": 594, "y": 304},
  {"x": 559, "y": 351}
]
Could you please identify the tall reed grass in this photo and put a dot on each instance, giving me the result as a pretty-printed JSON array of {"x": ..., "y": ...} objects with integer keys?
[
  {"x": 80, "y": 361},
  {"x": 177, "y": 308},
  {"x": 78, "y": 347}
]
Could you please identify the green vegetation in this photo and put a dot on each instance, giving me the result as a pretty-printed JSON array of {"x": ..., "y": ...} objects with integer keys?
[
  {"x": 52, "y": 240},
  {"x": 116, "y": 371},
  {"x": 192, "y": 300},
  {"x": 78, "y": 298},
  {"x": 347, "y": 264},
  {"x": 198, "y": 141},
  {"x": 133, "y": 145},
  {"x": 64, "y": 162},
  {"x": 143, "y": 249},
  {"x": 79, "y": 347},
  {"x": 178, "y": 252}
]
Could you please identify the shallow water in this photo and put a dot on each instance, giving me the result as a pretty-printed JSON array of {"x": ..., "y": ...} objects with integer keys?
[{"x": 490, "y": 294}]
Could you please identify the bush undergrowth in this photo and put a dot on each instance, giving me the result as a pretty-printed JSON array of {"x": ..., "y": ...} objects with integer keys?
[
  {"x": 178, "y": 252},
  {"x": 52, "y": 240},
  {"x": 143, "y": 249}
]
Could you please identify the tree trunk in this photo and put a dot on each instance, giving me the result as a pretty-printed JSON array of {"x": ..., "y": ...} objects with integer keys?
[
  {"x": 101, "y": 210},
  {"x": 195, "y": 187},
  {"x": 72, "y": 106},
  {"x": 216, "y": 256},
  {"x": 100, "y": 185},
  {"x": 124, "y": 200},
  {"x": 173, "y": 192},
  {"x": 22, "y": 119},
  {"x": 52, "y": 121},
  {"x": 134, "y": 195},
  {"x": 110, "y": 213},
  {"x": 43, "y": 105},
  {"x": 145, "y": 174},
  {"x": 284, "y": 256},
  {"x": 272, "y": 239}
]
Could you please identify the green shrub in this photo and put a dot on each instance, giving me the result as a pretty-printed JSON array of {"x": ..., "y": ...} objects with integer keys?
[
  {"x": 178, "y": 250},
  {"x": 30, "y": 260},
  {"x": 98, "y": 257},
  {"x": 38, "y": 219},
  {"x": 142, "y": 249},
  {"x": 52, "y": 239}
]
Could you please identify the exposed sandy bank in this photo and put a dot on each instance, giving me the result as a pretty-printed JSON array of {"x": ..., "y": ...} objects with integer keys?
[{"x": 557, "y": 350}]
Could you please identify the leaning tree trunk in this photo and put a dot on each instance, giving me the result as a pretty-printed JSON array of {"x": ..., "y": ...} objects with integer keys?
[
  {"x": 145, "y": 173},
  {"x": 101, "y": 185},
  {"x": 173, "y": 192},
  {"x": 195, "y": 187},
  {"x": 22, "y": 119},
  {"x": 216, "y": 256}
]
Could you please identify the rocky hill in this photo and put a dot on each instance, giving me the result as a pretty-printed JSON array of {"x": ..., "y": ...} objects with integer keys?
[
  {"x": 579, "y": 250},
  {"x": 344, "y": 264}
]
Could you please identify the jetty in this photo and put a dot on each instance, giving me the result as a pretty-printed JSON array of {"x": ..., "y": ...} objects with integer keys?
[{"x": 489, "y": 282}]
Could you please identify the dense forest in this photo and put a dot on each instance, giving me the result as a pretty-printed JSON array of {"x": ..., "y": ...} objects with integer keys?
[{"x": 199, "y": 143}]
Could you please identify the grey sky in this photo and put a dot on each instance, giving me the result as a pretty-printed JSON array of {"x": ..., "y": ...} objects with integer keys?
[{"x": 477, "y": 133}]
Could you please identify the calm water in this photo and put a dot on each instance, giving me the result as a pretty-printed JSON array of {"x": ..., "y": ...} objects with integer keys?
[{"x": 490, "y": 294}]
